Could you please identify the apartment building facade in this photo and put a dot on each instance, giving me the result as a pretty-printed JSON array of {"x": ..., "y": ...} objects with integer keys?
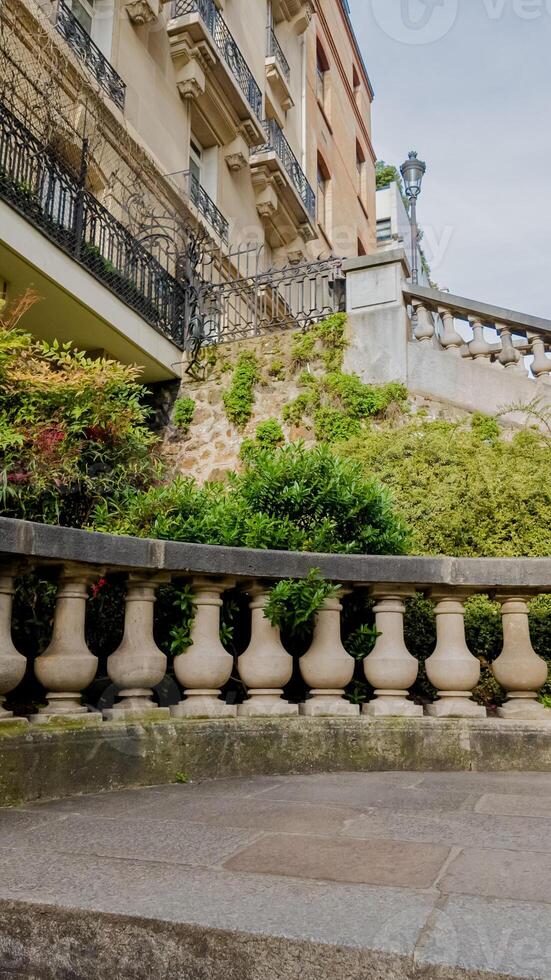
[{"x": 126, "y": 123}]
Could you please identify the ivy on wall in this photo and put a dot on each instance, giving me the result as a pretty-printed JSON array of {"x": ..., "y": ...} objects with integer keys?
[{"x": 239, "y": 397}]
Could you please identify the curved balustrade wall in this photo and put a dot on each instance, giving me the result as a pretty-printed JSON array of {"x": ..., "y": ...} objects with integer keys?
[{"x": 67, "y": 667}]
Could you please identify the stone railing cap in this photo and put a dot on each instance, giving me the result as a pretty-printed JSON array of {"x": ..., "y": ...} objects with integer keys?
[
  {"x": 487, "y": 313},
  {"x": 44, "y": 543},
  {"x": 384, "y": 257}
]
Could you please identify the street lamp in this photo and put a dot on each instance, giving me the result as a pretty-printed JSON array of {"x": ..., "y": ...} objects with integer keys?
[{"x": 413, "y": 171}]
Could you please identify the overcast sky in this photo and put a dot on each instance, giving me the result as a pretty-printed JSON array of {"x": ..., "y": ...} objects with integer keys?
[{"x": 467, "y": 83}]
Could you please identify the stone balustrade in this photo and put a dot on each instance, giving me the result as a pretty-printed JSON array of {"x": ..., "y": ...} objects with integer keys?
[
  {"x": 67, "y": 667},
  {"x": 482, "y": 333}
]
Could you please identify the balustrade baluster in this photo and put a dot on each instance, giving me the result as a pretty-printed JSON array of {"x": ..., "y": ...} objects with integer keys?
[
  {"x": 206, "y": 665},
  {"x": 452, "y": 668},
  {"x": 509, "y": 357},
  {"x": 541, "y": 365},
  {"x": 390, "y": 667},
  {"x": 518, "y": 668},
  {"x": 424, "y": 329},
  {"x": 67, "y": 667},
  {"x": 327, "y": 668},
  {"x": 265, "y": 667},
  {"x": 450, "y": 339},
  {"x": 138, "y": 665},
  {"x": 479, "y": 347},
  {"x": 12, "y": 663}
]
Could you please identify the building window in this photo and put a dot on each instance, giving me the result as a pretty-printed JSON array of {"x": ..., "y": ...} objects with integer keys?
[
  {"x": 384, "y": 229},
  {"x": 195, "y": 158},
  {"x": 360, "y": 172},
  {"x": 322, "y": 68},
  {"x": 83, "y": 10},
  {"x": 323, "y": 193},
  {"x": 356, "y": 84}
]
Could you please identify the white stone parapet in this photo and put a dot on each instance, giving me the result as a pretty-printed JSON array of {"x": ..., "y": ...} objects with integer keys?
[
  {"x": 262, "y": 674},
  {"x": 461, "y": 352}
]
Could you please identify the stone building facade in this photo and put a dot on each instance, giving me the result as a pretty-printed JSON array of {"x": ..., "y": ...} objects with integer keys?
[{"x": 127, "y": 122}]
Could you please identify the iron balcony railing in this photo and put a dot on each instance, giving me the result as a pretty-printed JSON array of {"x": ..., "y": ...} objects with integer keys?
[
  {"x": 88, "y": 51},
  {"x": 37, "y": 185},
  {"x": 274, "y": 50},
  {"x": 276, "y": 141},
  {"x": 205, "y": 205},
  {"x": 226, "y": 45}
]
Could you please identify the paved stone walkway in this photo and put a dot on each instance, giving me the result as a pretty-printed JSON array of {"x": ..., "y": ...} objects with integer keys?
[{"x": 442, "y": 869}]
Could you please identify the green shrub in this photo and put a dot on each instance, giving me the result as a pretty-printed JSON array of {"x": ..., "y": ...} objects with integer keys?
[
  {"x": 294, "y": 412},
  {"x": 73, "y": 429},
  {"x": 338, "y": 404},
  {"x": 322, "y": 343},
  {"x": 276, "y": 370},
  {"x": 269, "y": 435},
  {"x": 291, "y": 498},
  {"x": 485, "y": 427},
  {"x": 182, "y": 416},
  {"x": 461, "y": 494},
  {"x": 361, "y": 401},
  {"x": 239, "y": 397},
  {"x": 293, "y": 603},
  {"x": 332, "y": 425}
]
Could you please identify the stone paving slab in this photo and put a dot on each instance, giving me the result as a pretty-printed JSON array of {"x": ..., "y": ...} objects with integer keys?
[
  {"x": 509, "y": 804},
  {"x": 524, "y": 875},
  {"x": 510, "y": 938},
  {"x": 365, "y": 876},
  {"x": 459, "y": 829},
  {"x": 142, "y": 838},
  {"x": 393, "y": 863}
]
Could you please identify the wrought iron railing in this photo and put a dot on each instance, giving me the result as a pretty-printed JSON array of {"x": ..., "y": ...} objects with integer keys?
[
  {"x": 88, "y": 51},
  {"x": 275, "y": 299},
  {"x": 276, "y": 141},
  {"x": 34, "y": 182},
  {"x": 274, "y": 50},
  {"x": 227, "y": 46},
  {"x": 205, "y": 205}
]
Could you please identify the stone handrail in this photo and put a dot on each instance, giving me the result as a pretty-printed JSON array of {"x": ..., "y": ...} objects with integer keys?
[
  {"x": 517, "y": 335},
  {"x": 67, "y": 667}
]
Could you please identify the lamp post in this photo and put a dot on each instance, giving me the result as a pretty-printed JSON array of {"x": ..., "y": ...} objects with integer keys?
[{"x": 413, "y": 171}]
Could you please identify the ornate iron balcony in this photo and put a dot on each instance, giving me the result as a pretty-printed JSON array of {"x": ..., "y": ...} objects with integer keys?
[
  {"x": 35, "y": 183},
  {"x": 205, "y": 205},
  {"x": 88, "y": 51},
  {"x": 226, "y": 45},
  {"x": 274, "y": 50},
  {"x": 276, "y": 141}
]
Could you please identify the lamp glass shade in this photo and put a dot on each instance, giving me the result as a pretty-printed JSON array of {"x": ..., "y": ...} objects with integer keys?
[{"x": 413, "y": 171}]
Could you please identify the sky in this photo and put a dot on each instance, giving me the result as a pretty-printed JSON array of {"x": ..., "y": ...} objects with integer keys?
[{"x": 467, "y": 83}]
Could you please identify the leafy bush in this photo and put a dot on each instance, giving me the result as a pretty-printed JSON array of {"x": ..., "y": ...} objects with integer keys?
[
  {"x": 339, "y": 404},
  {"x": 269, "y": 435},
  {"x": 322, "y": 342},
  {"x": 293, "y": 604},
  {"x": 182, "y": 416},
  {"x": 73, "y": 430},
  {"x": 332, "y": 425},
  {"x": 290, "y": 498},
  {"x": 464, "y": 490},
  {"x": 239, "y": 397}
]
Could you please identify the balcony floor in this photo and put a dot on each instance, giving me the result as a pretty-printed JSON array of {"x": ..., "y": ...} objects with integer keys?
[
  {"x": 77, "y": 307},
  {"x": 362, "y": 875}
]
